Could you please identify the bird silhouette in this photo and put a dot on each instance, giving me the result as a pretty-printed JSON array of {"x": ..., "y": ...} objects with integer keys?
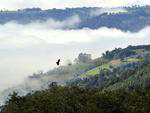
[{"x": 58, "y": 62}]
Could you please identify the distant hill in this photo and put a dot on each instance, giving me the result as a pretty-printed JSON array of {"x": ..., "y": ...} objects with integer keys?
[
  {"x": 126, "y": 18},
  {"x": 106, "y": 71},
  {"x": 118, "y": 74},
  {"x": 127, "y": 68}
]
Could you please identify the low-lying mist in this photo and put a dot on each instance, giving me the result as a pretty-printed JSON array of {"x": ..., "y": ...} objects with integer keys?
[
  {"x": 25, "y": 49},
  {"x": 115, "y": 10}
]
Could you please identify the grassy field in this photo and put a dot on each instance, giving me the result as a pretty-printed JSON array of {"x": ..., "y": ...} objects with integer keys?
[
  {"x": 73, "y": 68},
  {"x": 95, "y": 71},
  {"x": 142, "y": 51},
  {"x": 113, "y": 63},
  {"x": 147, "y": 11}
]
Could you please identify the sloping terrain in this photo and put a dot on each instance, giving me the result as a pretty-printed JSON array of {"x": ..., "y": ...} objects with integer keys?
[
  {"x": 102, "y": 72},
  {"x": 103, "y": 77},
  {"x": 116, "y": 69},
  {"x": 125, "y": 68}
]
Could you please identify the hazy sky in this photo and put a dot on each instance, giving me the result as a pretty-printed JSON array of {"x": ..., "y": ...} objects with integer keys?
[{"x": 46, "y": 4}]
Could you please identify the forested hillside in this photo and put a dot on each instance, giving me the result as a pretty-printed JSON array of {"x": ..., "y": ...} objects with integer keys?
[
  {"x": 127, "y": 68},
  {"x": 125, "y": 18},
  {"x": 66, "y": 99},
  {"x": 117, "y": 82}
]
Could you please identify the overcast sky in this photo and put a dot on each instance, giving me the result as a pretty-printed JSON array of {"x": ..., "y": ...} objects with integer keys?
[{"x": 47, "y": 4}]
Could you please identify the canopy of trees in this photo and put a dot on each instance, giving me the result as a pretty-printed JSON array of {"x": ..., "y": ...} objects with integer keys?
[{"x": 78, "y": 100}]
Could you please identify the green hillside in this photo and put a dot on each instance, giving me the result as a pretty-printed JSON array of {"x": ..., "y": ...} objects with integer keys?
[
  {"x": 111, "y": 59},
  {"x": 109, "y": 66},
  {"x": 111, "y": 62},
  {"x": 117, "y": 82},
  {"x": 121, "y": 70},
  {"x": 140, "y": 77}
]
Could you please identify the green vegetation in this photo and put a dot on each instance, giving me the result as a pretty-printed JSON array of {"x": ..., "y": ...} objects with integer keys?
[
  {"x": 117, "y": 58},
  {"x": 142, "y": 51},
  {"x": 135, "y": 75},
  {"x": 95, "y": 71},
  {"x": 128, "y": 60},
  {"x": 58, "y": 99},
  {"x": 85, "y": 67},
  {"x": 72, "y": 68},
  {"x": 139, "y": 77},
  {"x": 109, "y": 66},
  {"x": 118, "y": 82},
  {"x": 147, "y": 11}
]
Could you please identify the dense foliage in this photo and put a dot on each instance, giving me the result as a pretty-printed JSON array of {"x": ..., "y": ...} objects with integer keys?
[
  {"x": 120, "y": 53},
  {"x": 77, "y": 100}
]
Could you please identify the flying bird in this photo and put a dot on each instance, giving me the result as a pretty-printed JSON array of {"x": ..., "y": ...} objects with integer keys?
[{"x": 58, "y": 62}]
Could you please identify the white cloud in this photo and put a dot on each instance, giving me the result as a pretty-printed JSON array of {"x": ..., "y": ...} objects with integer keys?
[
  {"x": 50, "y": 32},
  {"x": 36, "y": 33},
  {"x": 70, "y": 22},
  {"x": 100, "y": 11},
  {"x": 46, "y": 4}
]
